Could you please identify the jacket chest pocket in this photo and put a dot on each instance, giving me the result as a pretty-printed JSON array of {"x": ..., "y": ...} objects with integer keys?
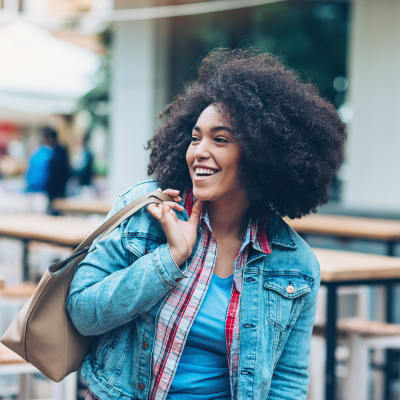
[{"x": 285, "y": 296}]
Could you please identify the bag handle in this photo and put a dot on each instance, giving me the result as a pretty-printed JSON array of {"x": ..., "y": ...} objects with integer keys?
[{"x": 110, "y": 224}]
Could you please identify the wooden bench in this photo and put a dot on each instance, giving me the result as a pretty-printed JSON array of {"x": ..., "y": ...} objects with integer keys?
[
  {"x": 362, "y": 327},
  {"x": 17, "y": 291},
  {"x": 82, "y": 206},
  {"x": 361, "y": 335},
  {"x": 8, "y": 357},
  {"x": 12, "y": 363}
]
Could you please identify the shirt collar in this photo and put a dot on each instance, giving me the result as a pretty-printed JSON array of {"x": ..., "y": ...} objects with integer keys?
[{"x": 256, "y": 232}]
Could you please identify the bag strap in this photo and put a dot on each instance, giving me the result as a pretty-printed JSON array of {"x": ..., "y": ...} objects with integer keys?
[{"x": 110, "y": 224}]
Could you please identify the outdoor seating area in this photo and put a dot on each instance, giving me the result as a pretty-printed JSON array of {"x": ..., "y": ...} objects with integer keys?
[
  {"x": 359, "y": 335},
  {"x": 259, "y": 118},
  {"x": 29, "y": 243},
  {"x": 12, "y": 364}
]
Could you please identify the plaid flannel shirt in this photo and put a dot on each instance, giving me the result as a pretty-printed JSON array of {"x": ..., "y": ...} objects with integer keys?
[
  {"x": 179, "y": 311},
  {"x": 180, "y": 308}
]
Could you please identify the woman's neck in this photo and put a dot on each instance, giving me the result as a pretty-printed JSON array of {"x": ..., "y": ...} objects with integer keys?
[{"x": 228, "y": 217}]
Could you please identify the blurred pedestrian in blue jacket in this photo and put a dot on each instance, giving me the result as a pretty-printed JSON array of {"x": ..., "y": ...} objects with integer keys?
[
  {"x": 38, "y": 170},
  {"x": 49, "y": 168}
]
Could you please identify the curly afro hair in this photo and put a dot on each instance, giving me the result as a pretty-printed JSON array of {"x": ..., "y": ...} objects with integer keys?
[{"x": 291, "y": 139}]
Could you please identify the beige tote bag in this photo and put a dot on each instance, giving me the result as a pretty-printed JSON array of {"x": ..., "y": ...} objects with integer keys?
[{"x": 42, "y": 332}]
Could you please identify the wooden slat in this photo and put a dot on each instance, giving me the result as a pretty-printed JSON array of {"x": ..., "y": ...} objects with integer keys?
[
  {"x": 347, "y": 266},
  {"x": 66, "y": 231},
  {"x": 9, "y": 357},
  {"x": 83, "y": 206},
  {"x": 361, "y": 327},
  {"x": 345, "y": 226},
  {"x": 20, "y": 290}
]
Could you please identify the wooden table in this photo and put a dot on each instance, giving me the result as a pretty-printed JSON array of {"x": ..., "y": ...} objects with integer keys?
[
  {"x": 83, "y": 206},
  {"x": 348, "y": 227},
  {"x": 344, "y": 268},
  {"x": 11, "y": 363},
  {"x": 62, "y": 231},
  {"x": 383, "y": 230}
]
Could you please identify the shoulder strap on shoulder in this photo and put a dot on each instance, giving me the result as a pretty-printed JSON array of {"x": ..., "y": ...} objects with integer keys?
[{"x": 110, "y": 224}]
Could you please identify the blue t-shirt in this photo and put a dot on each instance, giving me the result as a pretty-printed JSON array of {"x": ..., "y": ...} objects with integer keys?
[{"x": 202, "y": 372}]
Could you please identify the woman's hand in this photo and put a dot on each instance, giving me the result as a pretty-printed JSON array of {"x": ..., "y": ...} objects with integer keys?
[{"x": 181, "y": 235}]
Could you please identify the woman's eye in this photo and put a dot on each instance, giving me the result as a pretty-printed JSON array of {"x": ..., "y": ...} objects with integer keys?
[
  {"x": 194, "y": 139},
  {"x": 219, "y": 139}
]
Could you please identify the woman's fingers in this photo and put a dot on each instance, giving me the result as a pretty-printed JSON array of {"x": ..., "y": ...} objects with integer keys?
[
  {"x": 173, "y": 205},
  {"x": 156, "y": 210},
  {"x": 169, "y": 191},
  {"x": 174, "y": 193},
  {"x": 196, "y": 212},
  {"x": 168, "y": 217},
  {"x": 181, "y": 235}
]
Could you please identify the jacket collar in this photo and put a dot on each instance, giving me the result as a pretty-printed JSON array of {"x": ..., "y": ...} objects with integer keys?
[{"x": 279, "y": 233}]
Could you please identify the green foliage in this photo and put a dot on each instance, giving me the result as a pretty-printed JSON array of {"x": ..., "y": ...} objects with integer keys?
[
  {"x": 96, "y": 101},
  {"x": 310, "y": 37}
]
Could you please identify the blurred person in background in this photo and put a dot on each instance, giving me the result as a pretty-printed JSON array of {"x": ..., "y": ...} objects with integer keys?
[
  {"x": 83, "y": 163},
  {"x": 38, "y": 168},
  {"x": 49, "y": 168},
  {"x": 3, "y": 152},
  {"x": 212, "y": 295},
  {"x": 59, "y": 169}
]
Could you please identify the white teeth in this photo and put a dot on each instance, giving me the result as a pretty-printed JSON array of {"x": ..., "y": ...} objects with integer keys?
[{"x": 205, "y": 171}]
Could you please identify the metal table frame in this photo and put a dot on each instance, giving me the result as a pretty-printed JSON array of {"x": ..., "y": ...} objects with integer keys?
[
  {"x": 331, "y": 333},
  {"x": 25, "y": 250},
  {"x": 331, "y": 313}
]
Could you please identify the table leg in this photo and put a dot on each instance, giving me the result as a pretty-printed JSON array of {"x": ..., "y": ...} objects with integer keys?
[
  {"x": 25, "y": 263},
  {"x": 390, "y": 247},
  {"x": 389, "y": 354},
  {"x": 331, "y": 312}
]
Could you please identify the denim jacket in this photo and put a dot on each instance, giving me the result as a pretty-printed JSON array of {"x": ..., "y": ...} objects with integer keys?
[{"x": 118, "y": 288}]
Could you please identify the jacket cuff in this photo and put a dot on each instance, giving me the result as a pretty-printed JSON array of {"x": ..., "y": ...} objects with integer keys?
[{"x": 166, "y": 266}]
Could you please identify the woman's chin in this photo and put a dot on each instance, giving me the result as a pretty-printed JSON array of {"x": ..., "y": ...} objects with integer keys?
[{"x": 202, "y": 195}]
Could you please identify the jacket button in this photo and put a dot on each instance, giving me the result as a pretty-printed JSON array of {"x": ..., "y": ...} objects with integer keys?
[
  {"x": 141, "y": 386},
  {"x": 145, "y": 346},
  {"x": 290, "y": 289},
  {"x": 245, "y": 372}
]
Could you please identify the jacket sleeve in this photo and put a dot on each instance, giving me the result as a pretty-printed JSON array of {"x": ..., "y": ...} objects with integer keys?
[
  {"x": 290, "y": 378},
  {"x": 109, "y": 290}
]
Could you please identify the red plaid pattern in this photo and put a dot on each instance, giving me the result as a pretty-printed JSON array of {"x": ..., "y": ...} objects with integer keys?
[
  {"x": 90, "y": 396},
  {"x": 180, "y": 308}
]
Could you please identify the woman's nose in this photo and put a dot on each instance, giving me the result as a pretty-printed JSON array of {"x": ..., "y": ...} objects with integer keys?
[{"x": 202, "y": 150}]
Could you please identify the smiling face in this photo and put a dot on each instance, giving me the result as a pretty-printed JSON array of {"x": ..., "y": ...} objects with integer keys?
[{"x": 213, "y": 158}]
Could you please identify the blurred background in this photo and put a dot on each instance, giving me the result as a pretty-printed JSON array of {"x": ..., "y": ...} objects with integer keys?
[{"x": 82, "y": 83}]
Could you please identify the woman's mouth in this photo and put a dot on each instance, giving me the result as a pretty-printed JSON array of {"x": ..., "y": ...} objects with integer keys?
[{"x": 201, "y": 174}]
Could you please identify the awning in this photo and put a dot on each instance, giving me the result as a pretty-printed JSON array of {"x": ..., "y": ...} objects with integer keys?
[{"x": 40, "y": 74}]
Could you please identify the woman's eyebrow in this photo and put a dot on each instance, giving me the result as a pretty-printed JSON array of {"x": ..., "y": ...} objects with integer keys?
[{"x": 215, "y": 128}]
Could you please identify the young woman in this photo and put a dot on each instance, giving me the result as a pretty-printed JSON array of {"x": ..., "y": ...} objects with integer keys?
[{"x": 212, "y": 295}]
